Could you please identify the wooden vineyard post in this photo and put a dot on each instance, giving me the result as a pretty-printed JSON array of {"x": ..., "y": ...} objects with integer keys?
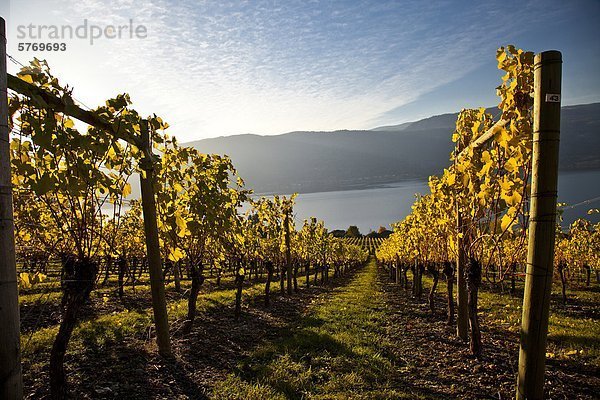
[
  {"x": 11, "y": 383},
  {"x": 157, "y": 288},
  {"x": 288, "y": 255},
  {"x": 542, "y": 225},
  {"x": 462, "y": 306}
]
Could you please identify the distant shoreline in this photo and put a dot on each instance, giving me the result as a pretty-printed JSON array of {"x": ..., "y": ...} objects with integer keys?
[
  {"x": 385, "y": 185},
  {"x": 359, "y": 186}
]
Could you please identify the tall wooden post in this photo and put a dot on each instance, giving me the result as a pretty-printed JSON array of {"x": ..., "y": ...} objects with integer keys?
[
  {"x": 11, "y": 384},
  {"x": 462, "y": 304},
  {"x": 157, "y": 288},
  {"x": 288, "y": 254},
  {"x": 542, "y": 225}
]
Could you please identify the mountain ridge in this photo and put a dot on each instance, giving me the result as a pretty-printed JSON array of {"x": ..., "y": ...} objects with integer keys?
[{"x": 315, "y": 161}]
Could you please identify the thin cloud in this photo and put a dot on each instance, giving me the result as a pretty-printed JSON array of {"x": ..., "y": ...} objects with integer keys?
[{"x": 219, "y": 68}]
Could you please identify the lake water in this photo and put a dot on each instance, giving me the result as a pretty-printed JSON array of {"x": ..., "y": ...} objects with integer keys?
[{"x": 370, "y": 208}]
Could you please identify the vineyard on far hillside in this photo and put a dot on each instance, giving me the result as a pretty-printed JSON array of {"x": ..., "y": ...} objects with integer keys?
[{"x": 369, "y": 244}]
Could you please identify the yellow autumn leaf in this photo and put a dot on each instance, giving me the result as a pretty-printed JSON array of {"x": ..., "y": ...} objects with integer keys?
[
  {"x": 451, "y": 178},
  {"x": 505, "y": 183},
  {"x": 24, "y": 280},
  {"x": 501, "y": 56},
  {"x": 486, "y": 157},
  {"x": 176, "y": 255},
  {"x": 15, "y": 144},
  {"x": 511, "y": 165},
  {"x": 181, "y": 224},
  {"x": 452, "y": 244},
  {"x": 512, "y": 199},
  {"x": 27, "y": 78},
  {"x": 502, "y": 137},
  {"x": 177, "y": 187},
  {"x": 126, "y": 190},
  {"x": 485, "y": 169},
  {"x": 38, "y": 278},
  {"x": 111, "y": 153},
  {"x": 506, "y": 222}
]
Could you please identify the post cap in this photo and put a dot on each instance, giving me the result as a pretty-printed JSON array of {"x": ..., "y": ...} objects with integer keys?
[{"x": 549, "y": 56}]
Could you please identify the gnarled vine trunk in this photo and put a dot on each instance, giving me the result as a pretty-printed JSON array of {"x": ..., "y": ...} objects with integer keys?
[
  {"x": 563, "y": 281},
  {"x": 269, "y": 267},
  {"x": 107, "y": 270},
  {"x": 282, "y": 269},
  {"x": 239, "y": 283},
  {"x": 417, "y": 280},
  {"x": 196, "y": 273},
  {"x": 449, "y": 273},
  {"x": 307, "y": 274},
  {"x": 473, "y": 282},
  {"x": 513, "y": 279},
  {"x": 78, "y": 277},
  {"x": 177, "y": 276},
  {"x": 122, "y": 264},
  {"x": 296, "y": 267},
  {"x": 436, "y": 276},
  {"x": 588, "y": 275}
]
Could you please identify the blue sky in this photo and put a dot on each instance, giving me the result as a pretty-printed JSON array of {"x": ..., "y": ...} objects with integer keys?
[{"x": 213, "y": 68}]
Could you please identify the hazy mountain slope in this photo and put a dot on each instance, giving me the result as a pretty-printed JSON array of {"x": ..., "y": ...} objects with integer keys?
[
  {"x": 393, "y": 128},
  {"x": 319, "y": 161},
  {"x": 580, "y": 137}
]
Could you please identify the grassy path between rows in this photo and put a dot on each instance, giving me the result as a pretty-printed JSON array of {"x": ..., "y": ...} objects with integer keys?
[
  {"x": 371, "y": 339},
  {"x": 337, "y": 350}
]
